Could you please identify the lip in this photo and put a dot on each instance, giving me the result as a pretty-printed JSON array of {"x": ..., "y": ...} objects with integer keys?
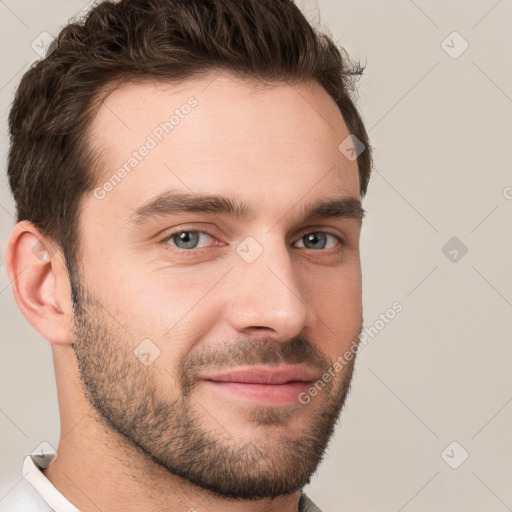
[
  {"x": 265, "y": 375},
  {"x": 264, "y": 385}
]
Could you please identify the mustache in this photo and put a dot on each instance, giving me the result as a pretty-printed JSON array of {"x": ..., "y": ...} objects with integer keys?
[{"x": 251, "y": 352}]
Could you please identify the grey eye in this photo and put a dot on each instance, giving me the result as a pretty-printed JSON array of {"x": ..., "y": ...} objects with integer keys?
[
  {"x": 187, "y": 239},
  {"x": 317, "y": 240}
]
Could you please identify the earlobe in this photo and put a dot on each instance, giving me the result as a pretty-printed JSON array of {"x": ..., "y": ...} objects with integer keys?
[{"x": 40, "y": 283}]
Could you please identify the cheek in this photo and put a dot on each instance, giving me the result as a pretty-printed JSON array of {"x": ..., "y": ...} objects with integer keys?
[
  {"x": 336, "y": 298},
  {"x": 335, "y": 287},
  {"x": 172, "y": 309}
]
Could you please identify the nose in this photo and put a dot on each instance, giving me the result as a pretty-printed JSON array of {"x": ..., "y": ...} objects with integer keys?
[{"x": 266, "y": 297}]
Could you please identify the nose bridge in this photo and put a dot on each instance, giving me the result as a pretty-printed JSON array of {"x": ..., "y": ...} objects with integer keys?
[{"x": 268, "y": 294}]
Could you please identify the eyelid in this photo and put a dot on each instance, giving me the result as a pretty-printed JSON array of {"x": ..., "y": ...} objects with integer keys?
[
  {"x": 171, "y": 234},
  {"x": 323, "y": 229},
  {"x": 337, "y": 248}
]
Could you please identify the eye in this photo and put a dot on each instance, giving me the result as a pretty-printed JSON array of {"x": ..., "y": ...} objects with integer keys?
[
  {"x": 319, "y": 240},
  {"x": 187, "y": 239}
]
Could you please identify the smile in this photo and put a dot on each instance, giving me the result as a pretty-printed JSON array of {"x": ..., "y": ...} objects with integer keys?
[{"x": 266, "y": 385}]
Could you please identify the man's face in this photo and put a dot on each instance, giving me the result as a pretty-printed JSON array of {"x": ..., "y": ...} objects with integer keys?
[{"x": 174, "y": 298}]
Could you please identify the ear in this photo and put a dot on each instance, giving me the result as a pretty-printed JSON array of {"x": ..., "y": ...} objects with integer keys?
[{"x": 40, "y": 283}]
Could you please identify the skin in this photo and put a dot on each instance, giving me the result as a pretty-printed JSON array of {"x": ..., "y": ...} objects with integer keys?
[{"x": 128, "y": 429}]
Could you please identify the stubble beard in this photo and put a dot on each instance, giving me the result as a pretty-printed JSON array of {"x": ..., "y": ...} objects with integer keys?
[{"x": 129, "y": 400}]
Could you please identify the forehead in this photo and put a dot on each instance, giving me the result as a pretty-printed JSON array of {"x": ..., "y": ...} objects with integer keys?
[{"x": 219, "y": 134}]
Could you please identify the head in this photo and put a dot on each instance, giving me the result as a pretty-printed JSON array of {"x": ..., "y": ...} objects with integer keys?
[{"x": 180, "y": 163}]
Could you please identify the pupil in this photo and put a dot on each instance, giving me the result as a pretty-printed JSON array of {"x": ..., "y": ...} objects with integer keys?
[
  {"x": 313, "y": 238},
  {"x": 187, "y": 238}
]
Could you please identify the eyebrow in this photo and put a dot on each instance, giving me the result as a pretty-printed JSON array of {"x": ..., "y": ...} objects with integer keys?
[{"x": 175, "y": 202}]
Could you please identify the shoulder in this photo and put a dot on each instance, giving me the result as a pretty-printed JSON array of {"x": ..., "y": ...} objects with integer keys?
[
  {"x": 306, "y": 505},
  {"x": 23, "y": 498}
]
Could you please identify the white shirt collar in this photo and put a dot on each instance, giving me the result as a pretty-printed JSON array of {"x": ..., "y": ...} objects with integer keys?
[{"x": 33, "y": 474}]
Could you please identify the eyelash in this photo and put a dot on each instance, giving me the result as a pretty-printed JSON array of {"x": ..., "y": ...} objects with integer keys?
[{"x": 168, "y": 237}]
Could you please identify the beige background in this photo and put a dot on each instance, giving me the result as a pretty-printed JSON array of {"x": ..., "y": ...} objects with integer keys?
[{"x": 438, "y": 372}]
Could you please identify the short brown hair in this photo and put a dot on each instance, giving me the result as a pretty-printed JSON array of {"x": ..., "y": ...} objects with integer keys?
[{"x": 51, "y": 167}]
